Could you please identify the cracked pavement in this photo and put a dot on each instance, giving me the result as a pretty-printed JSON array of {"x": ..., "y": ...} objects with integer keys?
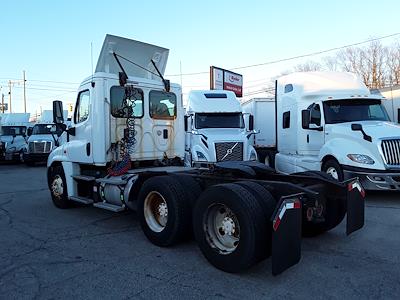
[{"x": 88, "y": 253}]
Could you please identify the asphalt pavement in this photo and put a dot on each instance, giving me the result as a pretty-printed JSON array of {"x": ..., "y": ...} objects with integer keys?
[{"x": 89, "y": 253}]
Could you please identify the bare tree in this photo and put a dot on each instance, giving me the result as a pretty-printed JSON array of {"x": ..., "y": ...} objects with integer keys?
[
  {"x": 393, "y": 64},
  {"x": 308, "y": 66}
]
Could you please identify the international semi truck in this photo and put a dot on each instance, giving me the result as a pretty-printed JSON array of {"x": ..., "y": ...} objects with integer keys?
[
  {"x": 329, "y": 122},
  {"x": 124, "y": 150},
  {"x": 215, "y": 129}
]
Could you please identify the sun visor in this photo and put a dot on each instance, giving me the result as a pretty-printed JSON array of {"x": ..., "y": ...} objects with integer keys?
[{"x": 137, "y": 52}]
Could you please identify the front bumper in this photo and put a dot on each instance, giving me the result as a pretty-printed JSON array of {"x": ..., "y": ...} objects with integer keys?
[
  {"x": 374, "y": 180},
  {"x": 36, "y": 157}
]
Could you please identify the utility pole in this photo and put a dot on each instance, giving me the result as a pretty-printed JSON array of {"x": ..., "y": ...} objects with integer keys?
[
  {"x": 24, "y": 91},
  {"x": 9, "y": 92}
]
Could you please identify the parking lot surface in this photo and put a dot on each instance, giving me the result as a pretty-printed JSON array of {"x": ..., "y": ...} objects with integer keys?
[{"x": 86, "y": 252}]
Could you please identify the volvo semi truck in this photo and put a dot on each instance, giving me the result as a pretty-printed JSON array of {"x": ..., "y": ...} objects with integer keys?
[
  {"x": 330, "y": 122},
  {"x": 215, "y": 129},
  {"x": 125, "y": 150}
]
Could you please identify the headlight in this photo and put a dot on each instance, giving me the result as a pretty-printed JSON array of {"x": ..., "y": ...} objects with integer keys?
[
  {"x": 361, "y": 158},
  {"x": 253, "y": 156},
  {"x": 201, "y": 156}
]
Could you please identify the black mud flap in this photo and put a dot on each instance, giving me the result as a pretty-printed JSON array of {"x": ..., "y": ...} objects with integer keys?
[
  {"x": 286, "y": 234},
  {"x": 355, "y": 206}
]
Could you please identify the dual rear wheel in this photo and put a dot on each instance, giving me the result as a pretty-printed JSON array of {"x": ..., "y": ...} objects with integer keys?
[{"x": 230, "y": 222}]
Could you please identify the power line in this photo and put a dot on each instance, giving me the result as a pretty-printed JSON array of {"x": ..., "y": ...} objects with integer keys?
[{"x": 296, "y": 57}]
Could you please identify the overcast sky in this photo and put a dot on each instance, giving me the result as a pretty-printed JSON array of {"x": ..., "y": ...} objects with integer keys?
[{"x": 51, "y": 40}]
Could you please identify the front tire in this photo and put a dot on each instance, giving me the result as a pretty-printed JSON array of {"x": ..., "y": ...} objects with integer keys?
[
  {"x": 333, "y": 168},
  {"x": 58, "y": 188}
]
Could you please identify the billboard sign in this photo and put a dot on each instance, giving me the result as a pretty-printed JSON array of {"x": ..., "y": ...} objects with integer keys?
[{"x": 221, "y": 79}]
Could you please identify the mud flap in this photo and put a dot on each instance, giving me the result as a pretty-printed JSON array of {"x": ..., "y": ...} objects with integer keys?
[
  {"x": 286, "y": 234},
  {"x": 355, "y": 206}
]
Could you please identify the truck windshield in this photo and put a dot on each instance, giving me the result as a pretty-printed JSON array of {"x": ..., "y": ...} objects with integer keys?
[
  {"x": 219, "y": 120},
  {"x": 11, "y": 130},
  {"x": 43, "y": 129},
  {"x": 349, "y": 110}
]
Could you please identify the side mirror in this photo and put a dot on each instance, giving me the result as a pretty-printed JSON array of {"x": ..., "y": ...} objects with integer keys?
[
  {"x": 58, "y": 116},
  {"x": 356, "y": 127},
  {"x": 29, "y": 131},
  {"x": 14, "y": 135},
  {"x": 398, "y": 115},
  {"x": 305, "y": 119},
  {"x": 251, "y": 122},
  {"x": 186, "y": 123}
]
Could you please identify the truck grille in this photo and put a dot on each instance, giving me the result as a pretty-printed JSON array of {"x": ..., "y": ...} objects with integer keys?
[
  {"x": 391, "y": 152},
  {"x": 232, "y": 151},
  {"x": 39, "y": 147}
]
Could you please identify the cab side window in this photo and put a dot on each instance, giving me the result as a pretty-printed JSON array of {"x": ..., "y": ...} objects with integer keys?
[{"x": 82, "y": 107}]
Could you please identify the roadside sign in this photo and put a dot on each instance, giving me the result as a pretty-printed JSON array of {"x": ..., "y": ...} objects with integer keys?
[{"x": 221, "y": 79}]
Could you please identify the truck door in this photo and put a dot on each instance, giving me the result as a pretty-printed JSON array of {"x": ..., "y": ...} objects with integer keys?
[
  {"x": 314, "y": 136},
  {"x": 80, "y": 147}
]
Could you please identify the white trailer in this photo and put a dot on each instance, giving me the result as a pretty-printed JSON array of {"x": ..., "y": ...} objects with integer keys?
[
  {"x": 215, "y": 129},
  {"x": 125, "y": 150},
  {"x": 330, "y": 122},
  {"x": 391, "y": 101},
  {"x": 262, "y": 111}
]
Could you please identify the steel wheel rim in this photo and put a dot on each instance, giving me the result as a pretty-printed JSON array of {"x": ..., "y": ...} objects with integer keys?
[
  {"x": 222, "y": 228},
  {"x": 155, "y": 211},
  {"x": 333, "y": 172},
  {"x": 57, "y": 186}
]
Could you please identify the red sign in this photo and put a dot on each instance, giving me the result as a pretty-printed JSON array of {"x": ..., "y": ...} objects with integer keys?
[{"x": 226, "y": 80}]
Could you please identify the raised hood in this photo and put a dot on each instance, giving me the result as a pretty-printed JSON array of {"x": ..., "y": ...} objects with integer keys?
[{"x": 137, "y": 52}]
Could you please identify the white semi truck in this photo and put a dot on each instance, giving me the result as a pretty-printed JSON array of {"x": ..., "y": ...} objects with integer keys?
[
  {"x": 330, "y": 122},
  {"x": 215, "y": 129},
  {"x": 13, "y": 135},
  {"x": 41, "y": 140},
  {"x": 125, "y": 150}
]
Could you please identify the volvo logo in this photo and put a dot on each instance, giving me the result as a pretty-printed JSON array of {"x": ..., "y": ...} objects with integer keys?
[{"x": 229, "y": 151}]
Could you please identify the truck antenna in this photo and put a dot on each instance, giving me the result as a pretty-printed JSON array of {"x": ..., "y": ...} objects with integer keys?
[{"x": 91, "y": 58}]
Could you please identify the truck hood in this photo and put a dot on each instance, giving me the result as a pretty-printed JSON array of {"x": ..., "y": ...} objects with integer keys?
[
  {"x": 224, "y": 134},
  {"x": 41, "y": 137},
  {"x": 9, "y": 138},
  {"x": 375, "y": 129},
  {"x": 137, "y": 52}
]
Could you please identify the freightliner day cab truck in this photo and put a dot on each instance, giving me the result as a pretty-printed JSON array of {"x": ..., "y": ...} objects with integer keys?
[
  {"x": 41, "y": 140},
  {"x": 215, "y": 129},
  {"x": 124, "y": 150},
  {"x": 330, "y": 122},
  {"x": 13, "y": 135}
]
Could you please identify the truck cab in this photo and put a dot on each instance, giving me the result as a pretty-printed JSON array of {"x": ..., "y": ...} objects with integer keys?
[
  {"x": 13, "y": 135},
  {"x": 215, "y": 129},
  {"x": 331, "y": 122},
  {"x": 41, "y": 140}
]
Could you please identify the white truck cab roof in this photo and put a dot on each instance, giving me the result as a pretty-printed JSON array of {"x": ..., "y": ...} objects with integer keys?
[
  {"x": 330, "y": 85},
  {"x": 212, "y": 101}
]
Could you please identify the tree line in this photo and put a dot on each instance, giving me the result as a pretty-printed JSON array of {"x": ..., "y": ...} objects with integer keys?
[{"x": 378, "y": 65}]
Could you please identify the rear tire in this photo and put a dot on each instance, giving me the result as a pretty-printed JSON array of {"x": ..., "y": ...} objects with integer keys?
[
  {"x": 229, "y": 227},
  {"x": 164, "y": 211},
  {"x": 268, "y": 204}
]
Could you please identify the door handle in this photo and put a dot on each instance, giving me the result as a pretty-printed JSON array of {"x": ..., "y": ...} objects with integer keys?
[{"x": 165, "y": 134}]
